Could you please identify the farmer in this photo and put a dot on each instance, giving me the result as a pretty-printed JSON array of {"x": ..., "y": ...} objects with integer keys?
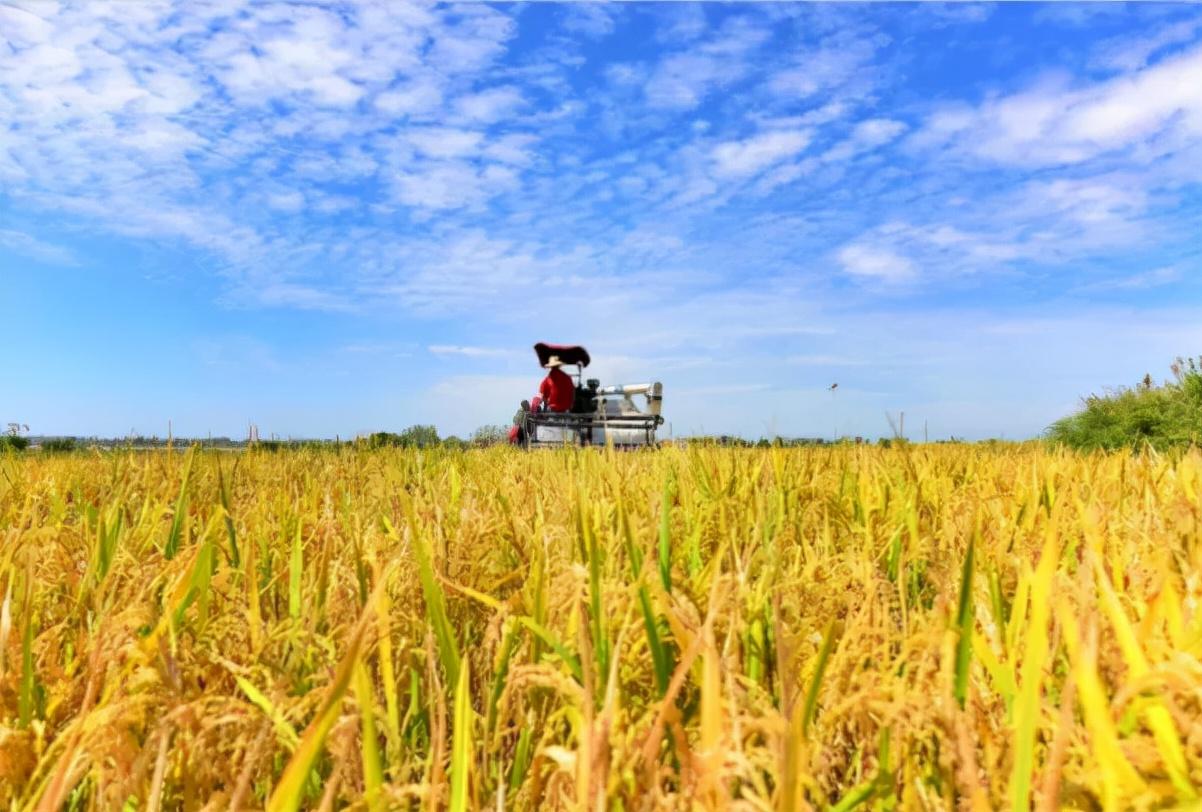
[
  {"x": 555, "y": 394},
  {"x": 557, "y": 391},
  {"x": 518, "y": 430}
]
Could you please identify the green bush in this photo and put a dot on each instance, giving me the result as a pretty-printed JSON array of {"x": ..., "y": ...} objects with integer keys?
[
  {"x": 13, "y": 442},
  {"x": 59, "y": 444},
  {"x": 1166, "y": 416}
]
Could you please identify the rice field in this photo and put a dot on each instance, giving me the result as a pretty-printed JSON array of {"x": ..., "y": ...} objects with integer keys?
[{"x": 927, "y": 627}]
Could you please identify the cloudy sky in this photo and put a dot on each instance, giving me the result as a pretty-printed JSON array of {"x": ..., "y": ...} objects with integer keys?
[{"x": 334, "y": 218}]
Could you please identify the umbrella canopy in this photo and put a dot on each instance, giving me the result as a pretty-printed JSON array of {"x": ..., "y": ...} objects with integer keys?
[{"x": 568, "y": 353}]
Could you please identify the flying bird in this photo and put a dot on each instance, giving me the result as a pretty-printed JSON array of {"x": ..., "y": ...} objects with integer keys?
[{"x": 833, "y": 387}]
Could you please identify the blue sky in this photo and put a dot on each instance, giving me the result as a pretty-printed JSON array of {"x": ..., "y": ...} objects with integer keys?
[{"x": 337, "y": 218}]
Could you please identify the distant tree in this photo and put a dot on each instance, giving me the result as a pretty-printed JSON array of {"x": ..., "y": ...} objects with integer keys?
[
  {"x": 412, "y": 437},
  {"x": 14, "y": 442},
  {"x": 454, "y": 442},
  {"x": 383, "y": 439},
  {"x": 59, "y": 445},
  {"x": 420, "y": 436},
  {"x": 490, "y": 435}
]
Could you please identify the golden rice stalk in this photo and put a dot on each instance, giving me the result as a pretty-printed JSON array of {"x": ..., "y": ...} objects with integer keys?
[
  {"x": 461, "y": 745},
  {"x": 373, "y": 776},
  {"x": 296, "y": 574},
  {"x": 724, "y": 561},
  {"x": 1119, "y": 779},
  {"x": 710, "y": 742},
  {"x": 1030, "y": 692},
  {"x": 288, "y": 794},
  {"x": 1165, "y": 733}
]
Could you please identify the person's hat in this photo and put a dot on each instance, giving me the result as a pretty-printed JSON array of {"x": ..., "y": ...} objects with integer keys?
[{"x": 554, "y": 361}]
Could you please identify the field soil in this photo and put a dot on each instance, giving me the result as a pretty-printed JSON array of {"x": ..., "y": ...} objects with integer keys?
[{"x": 924, "y": 627}]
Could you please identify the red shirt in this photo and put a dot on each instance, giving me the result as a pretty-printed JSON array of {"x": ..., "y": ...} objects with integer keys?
[{"x": 557, "y": 391}]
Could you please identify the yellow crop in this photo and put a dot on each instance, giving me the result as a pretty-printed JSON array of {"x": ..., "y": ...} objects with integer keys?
[{"x": 931, "y": 627}]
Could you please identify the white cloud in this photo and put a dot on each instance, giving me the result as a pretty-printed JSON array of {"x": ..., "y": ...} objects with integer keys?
[
  {"x": 973, "y": 248},
  {"x": 1128, "y": 53},
  {"x": 624, "y": 74},
  {"x": 594, "y": 20},
  {"x": 822, "y": 361},
  {"x": 960, "y": 12},
  {"x": 286, "y": 201},
  {"x": 23, "y": 27},
  {"x": 512, "y": 149},
  {"x": 1054, "y": 123},
  {"x": 445, "y": 142},
  {"x": 453, "y": 185},
  {"x": 29, "y": 246},
  {"x": 1057, "y": 225},
  {"x": 894, "y": 251},
  {"x": 475, "y": 38},
  {"x": 194, "y": 123},
  {"x": 839, "y": 61},
  {"x": 469, "y": 352},
  {"x": 1075, "y": 15},
  {"x": 140, "y": 123},
  {"x": 315, "y": 52},
  {"x": 682, "y": 80},
  {"x": 1158, "y": 277},
  {"x": 1092, "y": 201},
  {"x": 681, "y": 22},
  {"x": 877, "y": 131},
  {"x": 410, "y": 98},
  {"x": 867, "y": 135},
  {"x": 875, "y": 263},
  {"x": 301, "y": 297},
  {"x": 490, "y": 105},
  {"x": 752, "y": 155}
]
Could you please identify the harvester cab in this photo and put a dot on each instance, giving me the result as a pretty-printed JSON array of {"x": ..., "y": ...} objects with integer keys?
[{"x": 599, "y": 415}]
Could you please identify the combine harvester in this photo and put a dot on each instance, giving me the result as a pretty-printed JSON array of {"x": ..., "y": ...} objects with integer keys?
[{"x": 600, "y": 415}]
